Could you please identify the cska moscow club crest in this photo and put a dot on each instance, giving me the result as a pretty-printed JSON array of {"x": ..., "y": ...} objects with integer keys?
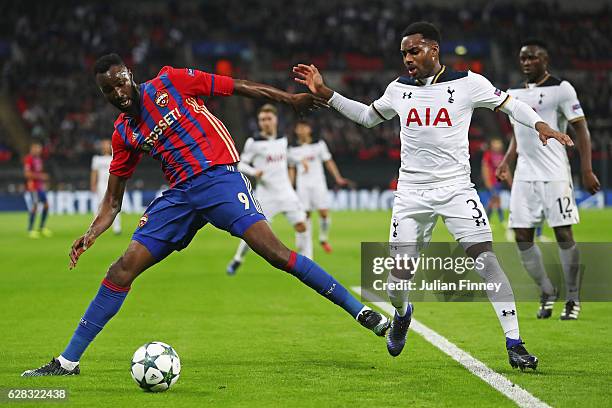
[
  {"x": 143, "y": 221},
  {"x": 161, "y": 98}
]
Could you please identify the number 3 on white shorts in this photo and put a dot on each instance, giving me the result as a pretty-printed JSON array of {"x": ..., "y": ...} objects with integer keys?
[{"x": 244, "y": 200}]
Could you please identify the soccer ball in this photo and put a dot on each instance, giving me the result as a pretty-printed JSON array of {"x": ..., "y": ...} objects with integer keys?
[{"x": 156, "y": 366}]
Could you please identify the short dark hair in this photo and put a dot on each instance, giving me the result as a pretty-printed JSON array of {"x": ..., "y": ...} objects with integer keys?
[
  {"x": 104, "y": 63},
  {"x": 425, "y": 28},
  {"x": 302, "y": 122},
  {"x": 535, "y": 41}
]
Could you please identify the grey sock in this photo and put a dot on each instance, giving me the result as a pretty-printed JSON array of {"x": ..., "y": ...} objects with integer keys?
[
  {"x": 534, "y": 265},
  {"x": 570, "y": 261},
  {"x": 490, "y": 270}
]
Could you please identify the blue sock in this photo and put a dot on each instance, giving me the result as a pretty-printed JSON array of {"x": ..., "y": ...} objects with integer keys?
[
  {"x": 512, "y": 342},
  {"x": 500, "y": 214},
  {"x": 105, "y": 305},
  {"x": 312, "y": 275},
  {"x": 43, "y": 217},
  {"x": 31, "y": 220}
]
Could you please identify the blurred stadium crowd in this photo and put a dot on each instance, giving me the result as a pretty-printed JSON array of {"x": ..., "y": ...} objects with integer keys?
[{"x": 48, "y": 49}]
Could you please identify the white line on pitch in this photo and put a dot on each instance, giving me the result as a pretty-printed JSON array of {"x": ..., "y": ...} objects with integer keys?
[{"x": 517, "y": 394}]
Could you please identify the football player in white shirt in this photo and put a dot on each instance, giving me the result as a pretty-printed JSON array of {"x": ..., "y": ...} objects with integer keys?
[
  {"x": 306, "y": 173},
  {"x": 265, "y": 158},
  {"x": 434, "y": 105},
  {"x": 542, "y": 186},
  {"x": 100, "y": 164}
]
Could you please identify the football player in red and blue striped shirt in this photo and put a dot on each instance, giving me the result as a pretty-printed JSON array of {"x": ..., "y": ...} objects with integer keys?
[{"x": 166, "y": 119}]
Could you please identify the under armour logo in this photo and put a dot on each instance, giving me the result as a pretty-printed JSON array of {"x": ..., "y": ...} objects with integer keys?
[
  {"x": 451, "y": 92},
  {"x": 541, "y": 96},
  {"x": 407, "y": 95},
  {"x": 395, "y": 225},
  {"x": 508, "y": 312},
  {"x": 480, "y": 221}
]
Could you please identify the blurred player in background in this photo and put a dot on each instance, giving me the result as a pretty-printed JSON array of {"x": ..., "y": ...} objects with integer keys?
[
  {"x": 491, "y": 159},
  {"x": 264, "y": 157},
  {"x": 166, "y": 119},
  {"x": 306, "y": 172},
  {"x": 542, "y": 186},
  {"x": 100, "y": 165},
  {"x": 36, "y": 194},
  {"x": 434, "y": 105}
]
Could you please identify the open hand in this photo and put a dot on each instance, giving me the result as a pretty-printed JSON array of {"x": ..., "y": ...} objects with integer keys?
[
  {"x": 545, "y": 132},
  {"x": 79, "y": 246},
  {"x": 590, "y": 182},
  {"x": 502, "y": 172},
  {"x": 310, "y": 76}
]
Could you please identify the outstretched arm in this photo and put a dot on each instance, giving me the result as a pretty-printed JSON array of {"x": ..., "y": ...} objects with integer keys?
[
  {"x": 300, "y": 102},
  {"x": 589, "y": 179},
  {"x": 358, "y": 112},
  {"x": 331, "y": 166},
  {"x": 108, "y": 210},
  {"x": 523, "y": 114}
]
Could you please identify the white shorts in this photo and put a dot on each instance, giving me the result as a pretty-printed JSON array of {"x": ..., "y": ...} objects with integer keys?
[
  {"x": 288, "y": 205},
  {"x": 313, "y": 197},
  {"x": 532, "y": 201},
  {"x": 415, "y": 213}
]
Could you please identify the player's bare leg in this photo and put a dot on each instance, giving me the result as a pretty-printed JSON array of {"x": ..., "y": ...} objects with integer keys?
[
  {"x": 531, "y": 258},
  {"x": 503, "y": 302},
  {"x": 262, "y": 240},
  {"x": 570, "y": 262},
  {"x": 105, "y": 305},
  {"x": 324, "y": 224}
]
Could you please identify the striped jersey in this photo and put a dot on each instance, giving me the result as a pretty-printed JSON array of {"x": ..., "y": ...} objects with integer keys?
[
  {"x": 555, "y": 100},
  {"x": 35, "y": 165},
  {"x": 174, "y": 126}
]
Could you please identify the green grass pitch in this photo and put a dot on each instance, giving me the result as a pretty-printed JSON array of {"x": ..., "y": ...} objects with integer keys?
[{"x": 263, "y": 339}]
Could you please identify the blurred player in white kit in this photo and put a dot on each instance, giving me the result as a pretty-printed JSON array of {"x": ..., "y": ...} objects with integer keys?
[
  {"x": 306, "y": 172},
  {"x": 264, "y": 157}
]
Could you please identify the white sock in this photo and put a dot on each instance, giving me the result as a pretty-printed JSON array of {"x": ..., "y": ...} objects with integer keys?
[
  {"x": 398, "y": 297},
  {"x": 570, "y": 261},
  {"x": 67, "y": 364},
  {"x": 303, "y": 242},
  {"x": 503, "y": 300},
  {"x": 324, "y": 224},
  {"x": 534, "y": 265},
  {"x": 243, "y": 248},
  {"x": 117, "y": 224}
]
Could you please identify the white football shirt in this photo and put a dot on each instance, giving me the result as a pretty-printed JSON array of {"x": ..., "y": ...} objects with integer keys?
[
  {"x": 101, "y": 164},
  {"x": 557, "y": 103},
  {"x": 314, "y": 155},
  {"x": 435, "y": 119},
  {"x": 269, "y": 156}
]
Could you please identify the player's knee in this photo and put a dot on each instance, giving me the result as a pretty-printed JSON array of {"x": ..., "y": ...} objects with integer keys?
[
  {"x": 300, "y": 227},
  {"x": 524, "y": 238},
  {"x": 120, "y": 273},
  {"x": 323, "y": 213},
  {"x": 564, "y": 237},
  {"x": 478, "y": 248}
]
